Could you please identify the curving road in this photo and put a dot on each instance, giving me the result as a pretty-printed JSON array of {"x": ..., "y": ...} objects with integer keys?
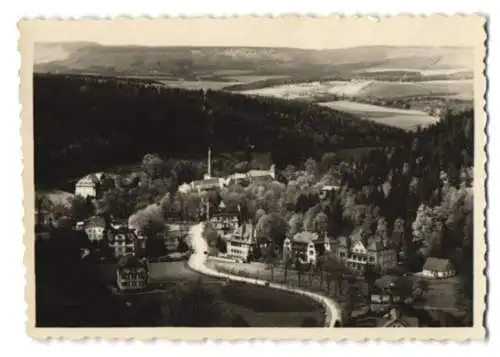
[{"x": 197, "y": 262}]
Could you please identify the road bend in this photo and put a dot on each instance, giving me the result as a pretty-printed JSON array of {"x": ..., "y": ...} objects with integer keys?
[{"x": 197, "y": 262}]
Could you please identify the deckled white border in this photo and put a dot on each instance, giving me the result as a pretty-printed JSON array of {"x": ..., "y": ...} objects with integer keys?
[{"x": 365, "y": 330}]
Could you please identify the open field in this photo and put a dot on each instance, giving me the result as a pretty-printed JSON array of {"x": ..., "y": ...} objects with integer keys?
[
  {"x": 458, "y": 89},
  {"x": 303, "y": 90},
  {"x": 401, "y": 118},
  {"x": 166, "y": 271},
  {"x": 259, "y": 306},
  {"x": 263, "y": 307}
]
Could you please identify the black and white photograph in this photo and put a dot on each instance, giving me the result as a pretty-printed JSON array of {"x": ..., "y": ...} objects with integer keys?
[{"x": 264, "y": 174}]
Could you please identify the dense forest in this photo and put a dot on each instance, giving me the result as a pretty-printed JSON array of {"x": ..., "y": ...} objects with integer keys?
[{"x": 85, "y": 123}]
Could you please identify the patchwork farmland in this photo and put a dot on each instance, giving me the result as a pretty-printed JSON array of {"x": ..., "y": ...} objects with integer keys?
[
  {"x": 401, "y": 118},
  {"x": 459, "y": 89}
]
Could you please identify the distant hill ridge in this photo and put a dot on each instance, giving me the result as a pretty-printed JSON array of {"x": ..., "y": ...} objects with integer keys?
[{"x": 87, "y": 57}]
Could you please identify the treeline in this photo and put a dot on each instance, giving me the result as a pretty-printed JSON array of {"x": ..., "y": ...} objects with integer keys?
[{"x": 85, "y": 124}]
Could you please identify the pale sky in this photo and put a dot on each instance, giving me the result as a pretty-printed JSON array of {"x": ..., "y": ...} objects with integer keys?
[{"x": 315, "y": 33}]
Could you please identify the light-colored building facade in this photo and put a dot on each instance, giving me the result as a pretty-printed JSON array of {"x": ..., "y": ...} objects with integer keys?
[
  {"x": 307, "y": 246},
  {"x": 240, "y": 243},
  {"x": 208, "y": 184},
  {"x": 358, "y": 254},
  {"x": 253, "y": 175},
  {"x": 88, "y": 186},
  {"x": 438, "y": 268}
]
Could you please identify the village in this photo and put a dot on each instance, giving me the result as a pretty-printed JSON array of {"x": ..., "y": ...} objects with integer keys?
[{"x": 366, "y": 272}]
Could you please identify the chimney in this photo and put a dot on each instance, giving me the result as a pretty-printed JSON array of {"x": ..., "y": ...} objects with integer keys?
[{"x": 209, "y": 162}]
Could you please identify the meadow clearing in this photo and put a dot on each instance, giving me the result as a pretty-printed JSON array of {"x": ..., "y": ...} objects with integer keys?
[
  {"x": 459, "y": 89},
  {"x": 407, "y": 119}
]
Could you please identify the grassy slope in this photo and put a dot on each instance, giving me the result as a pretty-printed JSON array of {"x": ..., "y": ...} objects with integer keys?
[
  {"x": 259, "y": 306},
  {"x": 401, "y": 118}
]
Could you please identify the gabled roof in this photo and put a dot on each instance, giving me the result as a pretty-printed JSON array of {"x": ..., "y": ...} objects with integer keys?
[
  {"x": 437, "y": 264},
  {"x": 93, "y": 178},
  {"x": 359, "y": 246}
]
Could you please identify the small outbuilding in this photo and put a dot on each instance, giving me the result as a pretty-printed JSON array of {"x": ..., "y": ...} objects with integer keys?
[{"x": 438, "y": 268}]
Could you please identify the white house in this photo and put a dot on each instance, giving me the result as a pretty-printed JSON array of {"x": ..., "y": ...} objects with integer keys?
[
  {"x": 185, "y": 188},
  {"x": 87, "y": 186},
  {"x": 438, "y": 268},
  {"x": 208, "y": 184},
  {"x": 262, "y": 174},
  {"x": 235, "y": 178}
]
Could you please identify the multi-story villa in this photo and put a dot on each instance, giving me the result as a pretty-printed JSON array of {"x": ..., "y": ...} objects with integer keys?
[
  {"x": 225, "y": 222},
  {"x": 357, "y": 254},
  {"x": 240, "y": 243},
  {"x": 122, "y": 241},
  {"x": 131, "y": 274},
  {"x": 307, "y": 246}
]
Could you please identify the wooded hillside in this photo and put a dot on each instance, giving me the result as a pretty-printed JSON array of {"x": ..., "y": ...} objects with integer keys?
[{"x": 85, "y": 123}]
